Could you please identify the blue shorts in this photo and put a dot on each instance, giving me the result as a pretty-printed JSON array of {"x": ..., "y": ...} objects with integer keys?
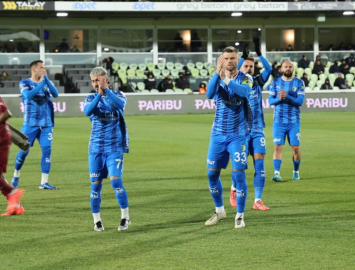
[
  {"x": 44, "y": 135},
  {"x": 222, "y": 147},
  {"x": 257, "y": 143},
  {"x": 292, "y": 131},
  {"x": 100, "y": 165}
]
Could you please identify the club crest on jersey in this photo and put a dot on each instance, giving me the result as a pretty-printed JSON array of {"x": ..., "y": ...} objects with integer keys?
[
  {"x": 247, "y": 81},
  {"x": 294, "y": 88},
  {"x": 243, "y": 147}
]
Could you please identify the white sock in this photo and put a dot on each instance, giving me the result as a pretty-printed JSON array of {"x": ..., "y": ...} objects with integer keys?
[
  {"x": 125, "y": 213},
  {"x": 44, "y": 178},
  {"x": 256, "y": 200},
  {"x": 296, "y": 171},
  {"x": 220, "y": 210},
  {"x": 97, "y": 217},
  {"x": 278, "y": 172},
  {"x": 239, "y": 215},
  {"x": 233, "y": 188},
  {"x": 16, "y": 173}
]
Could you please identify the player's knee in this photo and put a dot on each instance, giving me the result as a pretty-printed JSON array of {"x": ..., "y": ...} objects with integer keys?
[
  {"x": 96, "y": 186},
  {"x": 116, "y": 183},
  {"x": 213, "y": 175},
  {"x": 46, "y": 151}
]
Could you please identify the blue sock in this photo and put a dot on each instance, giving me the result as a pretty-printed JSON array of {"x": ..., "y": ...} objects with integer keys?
[
  {"x": 259, "y": 178},
  {"x": 121, "y": 193},
  {"x": 20, "y": 159},
  {"x": 296, "y": 165},
  {"x": 277, "y": 164},
  {"x": 95, "y": 197},
  {"x": 215, "y": 185},
  {"x": 46, "y": 159},
  {"x": 240, "y": 183}
]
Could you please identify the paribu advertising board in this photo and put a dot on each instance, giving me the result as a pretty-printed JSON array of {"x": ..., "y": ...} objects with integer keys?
[{"x": 137, "y": 104}]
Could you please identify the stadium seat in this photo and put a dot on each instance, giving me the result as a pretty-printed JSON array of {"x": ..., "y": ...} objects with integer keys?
[
  {"x": 194, "y": 72},
  {"x": 142, "y": 67},
  {"x": 350, "y": 78},
  {"x": 322, "y": 77},
  {"x": 165, "y": 72},
  {"x": 133, "y": 66},
  {"x": 319, "y": 83},
  {"x": 156, "y": 73},
  {"x": 204, "y": 73},
  {"x": 352, "y": 70},
  {"x": 300, "y": 72},
  {"x": 295, "y": 64},
  {"x": 121, "y": 73},
  {"x": 336, "y": 88},
  {"x": 188, "y": 90},
  {"x": 332, "y": 78},
  {"x": 199, "y": 65},
  {"x": 178, "y": 90},
  {"x": 169, "y": 91},
  {"x": 154, "y": 91},
  {"x": 145, "y": 91},
  {"x": 174, "y": 73},
  {"x": 133, "y": 85},
  {"x": 314, "y": 78},
  {"x": 139, "y": 73},
  {"x": 115, "y": 66},
  {"x": 316, "y": 88},
  {"x": 211, "y": 71},
  {"x": 311, "y": 84},
  {"x": 131, "y": 73},
  {"x": 123, "y": 66},
  {"x": 179, "y": 66},
  {"x": 151, "y": 66},
  {"x": 326, "y": 71},
  {"x": 140, "y": 86},
  {"x": 207, "y": 65},
  {"x": 311, "y": 65},
  {"x": 161, "y": 66},
  {"x": 308, "y": 71},
  {"x": 190, "y": 65},
  {"x": 307, "y": 89},
  {"x": 170, "y": 65}
]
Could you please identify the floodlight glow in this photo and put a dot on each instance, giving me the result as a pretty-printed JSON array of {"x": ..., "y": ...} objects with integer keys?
[
  {"x": 259, "y": 29},
  {"x": 106, "y": 49},
  {"x": 62, "y": 14},
  {"x": 237, "y": 14},
  {"x": 237, "y": 44},
  {"x": 11, "y": 40},
  {"x": 348, "y": 13},
  {"x": 239, "y": 31}
]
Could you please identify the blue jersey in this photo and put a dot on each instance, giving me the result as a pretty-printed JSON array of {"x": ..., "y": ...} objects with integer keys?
[
  {"x": 287, "y": 111},
  {"x": 108, "y": 130},
  {"x": 255, "y": 99},
  {"x": 39, "y": 111},
  {"x": 233, "y": 115}
]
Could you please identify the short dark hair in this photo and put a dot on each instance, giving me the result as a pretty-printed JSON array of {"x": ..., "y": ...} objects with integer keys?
[
  {"x": 34, "y": 63},
  {"x": 230, "y": 49},
  {"x": 250, "y": 59}
]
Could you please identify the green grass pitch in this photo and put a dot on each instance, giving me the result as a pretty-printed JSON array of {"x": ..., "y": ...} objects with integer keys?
[{"x": 310, "y": 224}]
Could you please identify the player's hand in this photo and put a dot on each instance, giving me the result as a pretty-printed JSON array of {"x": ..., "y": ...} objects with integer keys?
[
  {"x": 43, "y": 73},
  {"x": 256, "y": 41},
  {"x": 102, "y": 85},
  {"x": 282, "y": 94},
  {"x": 220, "y": 66},
  {"x": 245, "y": 51}
]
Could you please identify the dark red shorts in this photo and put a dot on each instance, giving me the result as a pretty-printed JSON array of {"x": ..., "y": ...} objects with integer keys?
[{"x": 5, "y": 141}]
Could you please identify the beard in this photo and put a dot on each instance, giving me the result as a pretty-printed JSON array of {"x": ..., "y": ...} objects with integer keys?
[{"x": 288, "y": 74}]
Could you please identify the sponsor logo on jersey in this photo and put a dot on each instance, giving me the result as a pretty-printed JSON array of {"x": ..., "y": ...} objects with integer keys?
[
  {"x": 210, "y": 162},
  {"x": 298, "y": 135},
  {"x": 277, "y": 140},
  {"x": 240, "y": 193},
  {"x": 294, "y": 89},
  {"x": 94, "y": 174},
  {"x": 94, "y": 195},
  {"x": 213, "y": 190},
  {"x": 119, "y": 190}
]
